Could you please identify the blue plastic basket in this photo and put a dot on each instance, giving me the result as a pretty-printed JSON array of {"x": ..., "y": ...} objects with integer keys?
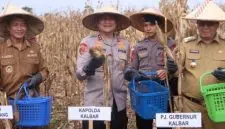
[
  {"x": 149, "y": 103},
  {"x": 33, "y": 111}
]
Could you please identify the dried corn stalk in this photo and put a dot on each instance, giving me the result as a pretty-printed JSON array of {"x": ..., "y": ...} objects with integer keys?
[
  {"x": 107, "y": 86},
  {"x": 167, "y": 52},
  {"x": 179, "y": 39},
  {"x": 163, "y": 40},
  {"x": 175, "y": 10},
  {"x": 98, "y": 52}
]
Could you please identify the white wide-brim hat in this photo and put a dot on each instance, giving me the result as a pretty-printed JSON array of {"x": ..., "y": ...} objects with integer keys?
[
  {"x": 137, "y": 19},
  {"x": 209, "y": 11},
  {"x": 91, "y": 21},
  {"x": 34, "y": 25}
]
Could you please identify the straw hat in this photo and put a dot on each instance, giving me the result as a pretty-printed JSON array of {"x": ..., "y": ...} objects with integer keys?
[
  {"x": 35, "y": 25},
  {"x": 137, "y": 19},
  {"x": 91, "y": 21},
  {"x": 209, "y": 11}
]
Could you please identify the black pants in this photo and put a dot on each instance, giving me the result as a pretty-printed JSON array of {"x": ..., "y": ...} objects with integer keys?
[
  {"x": 119, "y": 120},
  {"x": 147, "y": 124},
  {"x": 173, "y": 86},
  {"x": 143, "y": 123}
]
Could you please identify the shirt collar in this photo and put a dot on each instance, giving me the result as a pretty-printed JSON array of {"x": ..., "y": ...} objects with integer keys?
[
  {"x": 216, "y": 39},
  {"x": 10, "y": 44},
  {"x": 114, "y": 40}
]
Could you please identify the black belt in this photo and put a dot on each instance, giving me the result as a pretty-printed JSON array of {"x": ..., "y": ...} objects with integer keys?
[{"x": 193, "y": 99}]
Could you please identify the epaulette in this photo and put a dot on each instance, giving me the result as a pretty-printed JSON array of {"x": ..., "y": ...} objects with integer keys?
[
  {"x": 87, "y": 38},
  {"x": 92, "y": 36},
  {"x": 189, "y": 39}
]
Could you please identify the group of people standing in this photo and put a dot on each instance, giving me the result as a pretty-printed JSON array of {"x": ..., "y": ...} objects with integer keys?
[
  {"x": 198, "y": 54},
  {"x": 124, "y": 64},
  {"x": 21, "y": 60}
]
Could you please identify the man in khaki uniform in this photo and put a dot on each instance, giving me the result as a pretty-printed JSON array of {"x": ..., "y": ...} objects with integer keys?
[
  {"x": 200, "y": 54},
  {"x": 20, "y": 60}
]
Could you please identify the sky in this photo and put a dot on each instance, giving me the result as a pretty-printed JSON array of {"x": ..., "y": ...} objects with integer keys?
[{"x": 43, "y": 6}]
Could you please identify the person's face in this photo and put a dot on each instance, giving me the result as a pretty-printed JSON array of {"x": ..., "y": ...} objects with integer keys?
[
  {"x": 150, "y": 29},
  {"x": 207, "y": 29},
  {"x": 17, "y": 28},
  {"x": 107, "y": 24}
]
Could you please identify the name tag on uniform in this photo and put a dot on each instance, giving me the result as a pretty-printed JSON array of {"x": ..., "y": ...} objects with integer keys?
[
  {"x": 32, "y": 55},
  {"x": 193, "y": 120},
  {"x": 142, "y": 49},
  {"x": 89, "y": 113},
  {"x": 194, "y": 51},
  {"x": 6, "y": 112},
  {"x": 7, "y": 56},
  {"x": 122, "y": 51}
]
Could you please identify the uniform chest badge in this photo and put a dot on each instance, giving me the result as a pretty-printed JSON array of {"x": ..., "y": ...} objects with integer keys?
[
  {"x": 142, "y": 52},
  {"x": 193, "y": 64},
  {"x": 122, "y": 51},
  {"x": 31, "y": 51},
  {"x": 9, "y": 69}
]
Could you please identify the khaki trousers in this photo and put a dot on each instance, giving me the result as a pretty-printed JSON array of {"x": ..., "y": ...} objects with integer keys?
[{"x": 189, "y": 106}]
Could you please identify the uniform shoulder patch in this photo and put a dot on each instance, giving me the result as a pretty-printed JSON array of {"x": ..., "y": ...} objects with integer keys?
[
  {"x": 92, "y": 36},
  {"x": 189, "y": 39},
  {"x": 84, "y": 44},
  {"x": 83, "y": 47}
]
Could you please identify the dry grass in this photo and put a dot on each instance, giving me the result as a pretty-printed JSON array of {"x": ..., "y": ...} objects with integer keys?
[{"x": 59, "y": 41}]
